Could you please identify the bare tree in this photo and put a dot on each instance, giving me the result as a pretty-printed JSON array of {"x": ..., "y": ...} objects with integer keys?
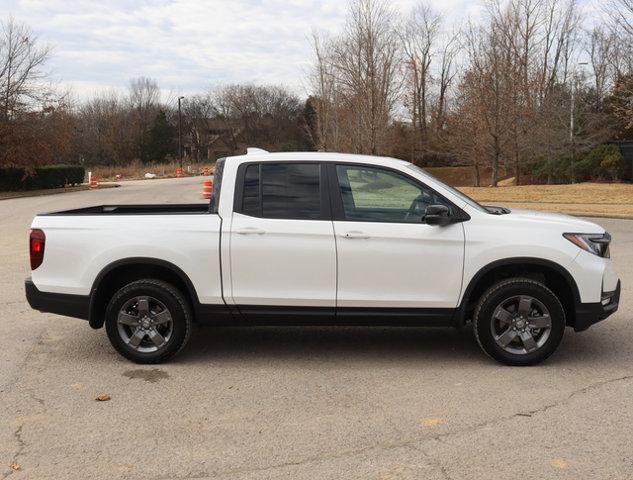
[
  {"x": 621, "y": 13},
  {"x": 104, "y": 133},
  {"x": 144, "y": 102},
  {"x": 144, "y": 93},
  {"x": 366, "y": 62},
  {"x": 267, "y": 116},
  {"x": 419, "y": 35},
  {"x": 22, "y": 79},
  {"x": 198, "y": 113},
  {"x": 486, "y": 92},
  {"x": 446, "y": 75},
  {"x": 518, "y": 61},
  {"x": 600, "y": 51},
  {"x": 326, "y": 130}
]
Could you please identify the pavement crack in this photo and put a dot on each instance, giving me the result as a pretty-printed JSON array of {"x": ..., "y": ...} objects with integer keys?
[
  {"x": 37, "y": 399},
  {"x": 21, "y": 446},
  {"x": 432, "y": 461},
  {"x": 528, "y": 413},
  {"x": 573, "y": 394},
  {"x": 8, "y": 386},
  {"x": 412, "y": 442}
]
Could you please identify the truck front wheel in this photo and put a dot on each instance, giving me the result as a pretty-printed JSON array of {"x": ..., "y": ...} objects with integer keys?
[
  {"x": 519, "y": 321},
  {"x": 148, "y": 321}
]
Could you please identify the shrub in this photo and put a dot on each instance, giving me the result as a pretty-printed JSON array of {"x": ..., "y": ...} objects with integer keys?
[
  {"x": 613, "y": 164},
  {"x": 603, "y": 161},
  {"x": 49, "y": 176},
  {"x": 11, "y": 178}
]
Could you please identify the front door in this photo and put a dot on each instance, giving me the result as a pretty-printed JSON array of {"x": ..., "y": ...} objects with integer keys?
[
  {"x": 388, "y": 257},
  {"x": 282, "y": 251}
]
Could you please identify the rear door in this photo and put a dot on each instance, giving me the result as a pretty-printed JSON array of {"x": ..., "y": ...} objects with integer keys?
[
  {"x": 388, "y": 257},
  {"x": 282, "y": 250}
]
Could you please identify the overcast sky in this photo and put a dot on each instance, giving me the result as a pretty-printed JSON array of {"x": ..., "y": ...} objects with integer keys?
[{"x": 188, "y": 45}]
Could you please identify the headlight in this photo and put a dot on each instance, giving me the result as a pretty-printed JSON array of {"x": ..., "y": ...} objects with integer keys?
[{"x": 595, "y": 243}]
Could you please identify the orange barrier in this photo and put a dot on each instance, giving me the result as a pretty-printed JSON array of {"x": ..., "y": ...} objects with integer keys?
[
  {"x": 179, "y": 172},
  {"x": 207, "y": 188},
  {"x": 205, "y": 171},
  {"x": 94, "y": 182}
]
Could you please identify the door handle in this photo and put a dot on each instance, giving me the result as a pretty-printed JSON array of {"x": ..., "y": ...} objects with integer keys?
[
  {"x": 355, "y": 234},
  {"x": 250, "y": 231}
]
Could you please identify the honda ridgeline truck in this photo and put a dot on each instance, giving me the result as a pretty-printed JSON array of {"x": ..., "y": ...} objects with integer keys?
[{"x": 323, "y": 239}]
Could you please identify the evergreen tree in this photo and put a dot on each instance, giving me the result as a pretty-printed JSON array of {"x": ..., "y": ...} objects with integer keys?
[{"x": 160, "y": 140}]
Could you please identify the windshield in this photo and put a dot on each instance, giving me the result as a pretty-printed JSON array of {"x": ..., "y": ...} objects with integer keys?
[{"x": 454, "y": 191}]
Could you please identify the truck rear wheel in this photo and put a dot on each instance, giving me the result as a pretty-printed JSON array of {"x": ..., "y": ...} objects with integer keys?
[
  {"x": 519, "y": 321},
  {"x": 148, "y": 321}
]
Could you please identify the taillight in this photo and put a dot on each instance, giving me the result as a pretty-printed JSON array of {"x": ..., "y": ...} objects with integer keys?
[{"x": 37, "y": 241}]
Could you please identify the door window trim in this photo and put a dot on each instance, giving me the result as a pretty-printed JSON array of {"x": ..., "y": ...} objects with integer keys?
[
  {"x": 338, "y": 210},
  {"x": 326, "y": 211}
]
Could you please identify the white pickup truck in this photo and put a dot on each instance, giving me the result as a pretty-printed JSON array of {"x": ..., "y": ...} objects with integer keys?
[{"x": 323, "y": 239}]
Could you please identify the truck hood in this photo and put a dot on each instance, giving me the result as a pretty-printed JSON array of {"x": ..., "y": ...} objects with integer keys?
[{"x": 556, "y": 220}]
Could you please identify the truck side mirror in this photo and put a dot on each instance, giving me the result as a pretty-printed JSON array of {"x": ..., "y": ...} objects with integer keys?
[{"x": 437, "y": 215}]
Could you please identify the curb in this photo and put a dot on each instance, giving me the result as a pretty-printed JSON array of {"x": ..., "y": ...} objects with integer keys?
[
  {"x": 51, "y": 191},
  {"x": 615, "y": 216},
  {"x": 577, "y": 213}
]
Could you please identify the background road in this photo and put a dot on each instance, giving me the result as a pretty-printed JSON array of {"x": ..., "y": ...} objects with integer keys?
[{"x": 297, "y": 403}]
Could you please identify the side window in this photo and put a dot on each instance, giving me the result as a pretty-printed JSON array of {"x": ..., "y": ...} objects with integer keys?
[
  {"x": 377, "y": 195},
  {"x": 251, "y": 204},
  {"x": 282, "y": 190}
]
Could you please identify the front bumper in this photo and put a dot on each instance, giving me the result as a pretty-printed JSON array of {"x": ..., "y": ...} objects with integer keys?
[
  {"x": 76, "y": 306},
  {"x": 589, "y": 313}
]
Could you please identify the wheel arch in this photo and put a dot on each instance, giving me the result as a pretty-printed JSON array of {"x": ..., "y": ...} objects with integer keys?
[
  {"x": 123, "y": 271},
  {"x": 553, "y": 275}
]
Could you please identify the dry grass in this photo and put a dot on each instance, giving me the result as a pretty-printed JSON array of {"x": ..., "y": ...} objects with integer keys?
[
  {"x": 599, "y": 199},
  {"x": 461, "y": 176},
  {"x": 137, "y": 170}
]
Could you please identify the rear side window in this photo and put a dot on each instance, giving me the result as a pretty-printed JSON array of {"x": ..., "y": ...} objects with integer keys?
[{"x": 282, "y": 190}]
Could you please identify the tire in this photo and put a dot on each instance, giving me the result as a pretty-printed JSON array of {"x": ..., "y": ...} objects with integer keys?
[
  {"x": 503, "y": 328},
  {"x": 148, "y": 321}
]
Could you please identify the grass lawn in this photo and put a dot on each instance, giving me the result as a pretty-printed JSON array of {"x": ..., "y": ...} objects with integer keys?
[{"x": 590, "y": 199}]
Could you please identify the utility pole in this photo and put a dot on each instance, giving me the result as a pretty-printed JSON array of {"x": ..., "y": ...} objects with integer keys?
[
  {"x": 571, "y": 126},
  {"x": 180, "y": 131},
  {"x": 572, "y": 110}
]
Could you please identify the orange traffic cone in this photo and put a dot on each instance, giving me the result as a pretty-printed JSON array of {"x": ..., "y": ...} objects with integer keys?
[{"x": 207, "y": 188}]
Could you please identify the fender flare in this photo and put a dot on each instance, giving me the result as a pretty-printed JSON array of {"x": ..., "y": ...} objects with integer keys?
[
  {"x": 96, "y": 321},
  {"x": 461, "y": 309}
]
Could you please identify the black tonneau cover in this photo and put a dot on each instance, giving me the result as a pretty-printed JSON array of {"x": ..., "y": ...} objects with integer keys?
[{"x": 158, "y": 209}]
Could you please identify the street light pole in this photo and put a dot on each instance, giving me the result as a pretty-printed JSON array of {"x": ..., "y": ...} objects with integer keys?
[
  {"x": 571, "y": 126},
  {"x": 180, "y": 131}
]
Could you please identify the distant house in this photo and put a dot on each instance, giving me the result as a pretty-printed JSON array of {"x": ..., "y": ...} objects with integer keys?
[{"x": 210, "y": 138}]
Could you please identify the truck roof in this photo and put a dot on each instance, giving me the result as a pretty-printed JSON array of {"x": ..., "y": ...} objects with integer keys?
[{"x": 256, "y": 154}]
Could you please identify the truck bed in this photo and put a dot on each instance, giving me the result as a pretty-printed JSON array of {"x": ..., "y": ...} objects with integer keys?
[
  {"x": 83, "y": 243},
  {"x": 149, "y": 209}
]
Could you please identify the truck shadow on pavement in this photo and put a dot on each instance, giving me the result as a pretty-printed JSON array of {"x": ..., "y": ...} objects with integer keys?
[
  {"x": 439, "y": 346},
  {"x": 310, "y": 344},
  {"x": 367, "y": 345}
]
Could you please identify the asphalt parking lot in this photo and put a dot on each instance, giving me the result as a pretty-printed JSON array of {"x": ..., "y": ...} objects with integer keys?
[{"x": 297, "y": 403}]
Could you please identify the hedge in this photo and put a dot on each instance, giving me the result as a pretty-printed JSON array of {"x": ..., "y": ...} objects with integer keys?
[
  {"x": 49, "y": 176},
  {"x": 602, "y": 162}
]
